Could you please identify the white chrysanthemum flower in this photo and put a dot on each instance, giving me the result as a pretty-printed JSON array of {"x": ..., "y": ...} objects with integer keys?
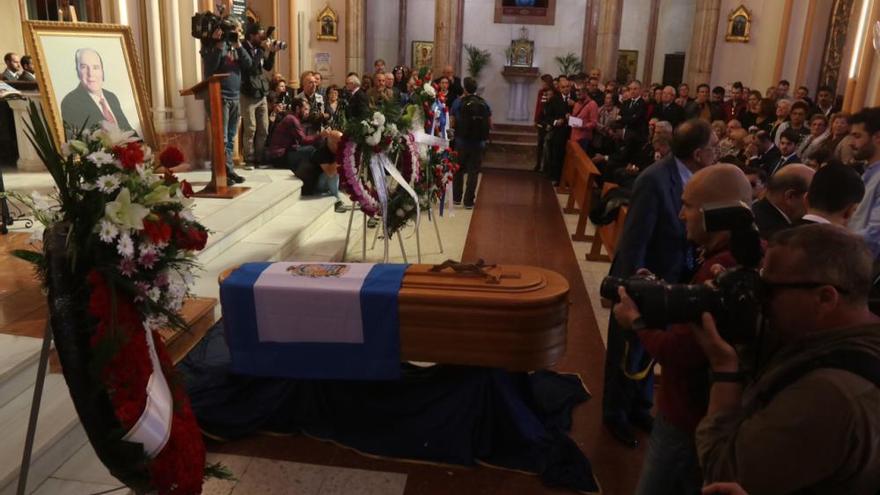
[
  {"x": 154, "y": 293},
  {"x": 187, "y": 214},
  {"x": 100, "y": 158},
  {"x": 145, "y": 172},
  {"x": 88, "y": 186},
  {"x": 108, "y": 183},
  {"x": 374, "y": 138},
  {"x": 378, "y": 119},
  {"x": 125, "y": 246},
  {"x": 429, "y": 90},
  {"x": 107, "y": 231},
  {"x": 391, "y": 129}
]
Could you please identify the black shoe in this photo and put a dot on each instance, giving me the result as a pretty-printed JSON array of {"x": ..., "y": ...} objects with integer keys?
[
  {"x": 237, "y": 178},
  {"x": 230, "y": 181},
  {"x": 456, "y": 203},
  {"x": 468, "y": 207},
  {"x": 372, "y": 222},
  {"x": 623, "y": 433},
  {"x": 644, "y": 422},
  {"x": 340, "y": 207}
]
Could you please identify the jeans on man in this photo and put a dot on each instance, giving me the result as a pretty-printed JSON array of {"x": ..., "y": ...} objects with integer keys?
[
  {"x": 471, "y": 160},
  {"x": 255, "y": 127},
  {"x": 670, "y": 465},
  {"x": 230, "y": 125}
]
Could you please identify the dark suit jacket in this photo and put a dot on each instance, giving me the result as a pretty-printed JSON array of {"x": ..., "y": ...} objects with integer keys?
[
  {"x": 767, "y": 160},
  {"x": 671, "y": 113},
  {"x": 78, "y": 108},
  {"x": 777, "y": 166},
  {"x": 634, "y": 117},
  {"x": 358, "y": 107},
  {"x": 653, "y": 237},
  {"x": 768, "y": 219}
]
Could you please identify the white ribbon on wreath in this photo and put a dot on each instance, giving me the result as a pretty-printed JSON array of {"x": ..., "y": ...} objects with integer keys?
[
  {"x": 153, "y": 428},
  {"x": 380, "y": 164}
]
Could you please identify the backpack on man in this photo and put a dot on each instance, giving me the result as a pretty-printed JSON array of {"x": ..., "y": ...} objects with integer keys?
[{"x": 473, "y": 123}]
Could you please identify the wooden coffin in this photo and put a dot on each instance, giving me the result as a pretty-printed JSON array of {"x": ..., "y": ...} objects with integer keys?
[{"x": 508, "y": 316}]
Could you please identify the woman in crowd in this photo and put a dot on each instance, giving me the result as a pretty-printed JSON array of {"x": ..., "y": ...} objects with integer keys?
[
  {"x": 334, "y": 107},
  {"x": 401, "y": 76},
  {"x": 720, "y": 129},
  {"x": 608, "y": 113},
  {"x": 766, "y": 114},
  {"x": 819, "y": 132},
  {"x": 544, "y": 94},
  {"x": 838, "y": 142},
  {"x": 587, "y": 111},
  {"x": 366, "y": 83},
  {"x": 749, "y": 116}
]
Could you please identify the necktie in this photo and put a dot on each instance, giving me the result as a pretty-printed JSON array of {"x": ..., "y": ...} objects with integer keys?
[{"x": 105, "y": 109}]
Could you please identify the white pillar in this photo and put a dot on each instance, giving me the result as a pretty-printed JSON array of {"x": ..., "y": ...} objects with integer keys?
[
  {"x": 157, "y": 76},
  {"x": 175, "y": 67},
  {"x": 28, "y": 159},
  {"x": 192, "y": 67}
]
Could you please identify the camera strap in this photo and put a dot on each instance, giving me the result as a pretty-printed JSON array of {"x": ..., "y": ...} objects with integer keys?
[
  {"x": 634, "y": 375},
  {"x": 857, "y": 362}
]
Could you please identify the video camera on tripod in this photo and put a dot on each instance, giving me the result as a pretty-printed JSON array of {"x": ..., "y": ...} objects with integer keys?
[{"x": 204, "y": 24}]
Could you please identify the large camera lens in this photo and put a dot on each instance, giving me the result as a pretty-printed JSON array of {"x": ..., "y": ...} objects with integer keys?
[{"x": 660, "y": 303}]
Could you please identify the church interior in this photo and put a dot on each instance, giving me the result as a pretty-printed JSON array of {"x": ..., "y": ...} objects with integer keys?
[{"x": 497, "y": 158}]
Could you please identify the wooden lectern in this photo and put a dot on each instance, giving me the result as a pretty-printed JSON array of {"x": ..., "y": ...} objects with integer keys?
[{"x": 217, "y": 188}]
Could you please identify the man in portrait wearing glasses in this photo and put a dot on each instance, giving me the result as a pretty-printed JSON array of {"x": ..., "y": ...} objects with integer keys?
[
  {"x": 809, "y": 422},
  {"x": 89, "y": 103}
]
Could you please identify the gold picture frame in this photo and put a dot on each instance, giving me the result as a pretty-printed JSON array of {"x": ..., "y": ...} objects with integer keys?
[
  {"x": 61, "y": 52},
  {"x": 422, "y": 55},
  {"x": 328, "y": 25},
  {"x": 739, "y": 25}
]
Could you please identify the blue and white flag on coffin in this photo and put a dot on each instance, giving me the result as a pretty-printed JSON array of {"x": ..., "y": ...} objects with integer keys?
[{"x": 314, "y": 320}]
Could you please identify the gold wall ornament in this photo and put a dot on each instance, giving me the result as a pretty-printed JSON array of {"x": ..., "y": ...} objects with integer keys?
[
  {"x": 835, "y": 44},
  {"x": 67, "y": 82},
  {"x": 739, "y": 25},
  {"x": 328, "y": 25}
]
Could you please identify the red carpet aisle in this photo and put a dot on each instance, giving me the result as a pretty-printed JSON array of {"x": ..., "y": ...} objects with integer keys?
[{"x": 517, "y": 220}]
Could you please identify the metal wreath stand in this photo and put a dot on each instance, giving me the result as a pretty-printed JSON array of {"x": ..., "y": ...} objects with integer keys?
[{"x": 357, "y": 206}]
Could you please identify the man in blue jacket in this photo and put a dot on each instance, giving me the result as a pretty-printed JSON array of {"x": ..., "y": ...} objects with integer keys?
[{"x": 653, "y": 238}]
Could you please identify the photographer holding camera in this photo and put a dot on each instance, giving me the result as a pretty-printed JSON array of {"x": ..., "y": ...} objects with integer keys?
[
  {"x": 670, "y": 464},
  {"x": 259, "y": 56},
  {"x": 809, "y": 421},
  {"x": 222, "y": 53}
]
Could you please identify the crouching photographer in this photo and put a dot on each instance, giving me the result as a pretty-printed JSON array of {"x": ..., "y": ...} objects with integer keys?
[
  {"x": 809, "y": 421},
  {"x": 717, "y": 220}
]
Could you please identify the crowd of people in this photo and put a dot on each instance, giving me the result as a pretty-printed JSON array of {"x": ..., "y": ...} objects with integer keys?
[
  {"x": 18, "y": 68},
  {"x": 792, "y": 408},
  {"x": 300, "y": 129}
]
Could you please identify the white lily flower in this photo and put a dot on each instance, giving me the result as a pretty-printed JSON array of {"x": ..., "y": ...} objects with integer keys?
[
  {"x": 373, "y": 139},
  {"x": 78, "y": 146},
  {"x": 111, "y": 135},
  {"x": 378, "y": 119},
  {"x": 124, "y": 213},
  {"x": 159, "y": 194}
]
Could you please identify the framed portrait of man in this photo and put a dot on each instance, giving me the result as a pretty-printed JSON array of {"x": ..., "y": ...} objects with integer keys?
[
  {"x": 422, "y": 54},
  {"x": 89, "y": 73}
]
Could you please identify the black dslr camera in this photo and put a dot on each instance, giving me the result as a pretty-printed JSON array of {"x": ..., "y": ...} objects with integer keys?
[
  {"x": 205, "y": 23},
  {"x": 282, "y": 45},
  {"x": 735, "y": 299}
]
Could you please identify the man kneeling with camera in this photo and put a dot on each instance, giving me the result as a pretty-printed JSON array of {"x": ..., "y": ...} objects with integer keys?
[{"x": 670, "y": 465}]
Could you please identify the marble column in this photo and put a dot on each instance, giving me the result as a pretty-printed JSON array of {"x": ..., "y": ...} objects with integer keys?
[
  {"x": 591, "y": 26},
  {"x": 293, "y": 44},
  {"x": 157, "y": 74},
  {"x": 447, "y": 45},
  {"x": 650, "y": 44},
  {"x": 702, "y": 49},
  {"x": 354, "y": 36},
  {"x": 401, "y": 32},
  {"x": 28, "y": 159},
  {"x": 608, "y": 37},
  {"x": 191, "y": 62},
  {"x": 175, "y": 67}
]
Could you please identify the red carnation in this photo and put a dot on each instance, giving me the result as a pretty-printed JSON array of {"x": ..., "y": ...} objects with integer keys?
[
  {"x": 193, "y": 238},
  {"x": 171, "y": 157},
  {"x": 159, "y": 232},
  {"x": 130, "y": 155}
]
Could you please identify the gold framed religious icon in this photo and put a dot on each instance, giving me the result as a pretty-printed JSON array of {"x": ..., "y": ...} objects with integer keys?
[
  {"x": 422, "y": 54},
  {"x": 89, "y": 73},
  {"x": 328, "y": 25},
  {"x": 739, "y": 24}
]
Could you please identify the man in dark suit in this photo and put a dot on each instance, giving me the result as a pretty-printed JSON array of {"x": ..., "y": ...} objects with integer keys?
[
  {"x": 89, "y": 103},
  {"x": 669, "y": 110},
  {"x": 788, "y": 143},
  {"x": 834, "y": 195},
  {"x": 358, "y": 104},
  {"x": 634, "y": 112},
  {"x": 653, "y": 238},
  {"x": 825, "y": 103},
  {"x": 768, "y": 154},
  {"x": 786, "y": 200}
]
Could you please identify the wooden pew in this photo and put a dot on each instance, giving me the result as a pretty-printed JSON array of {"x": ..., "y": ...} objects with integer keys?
[
  {"x": 607, "y": 235},
  {"x": 579, "y": 178}
]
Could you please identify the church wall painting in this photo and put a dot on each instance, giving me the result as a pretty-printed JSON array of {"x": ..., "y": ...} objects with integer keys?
[{"x": 525, "y": 12}]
